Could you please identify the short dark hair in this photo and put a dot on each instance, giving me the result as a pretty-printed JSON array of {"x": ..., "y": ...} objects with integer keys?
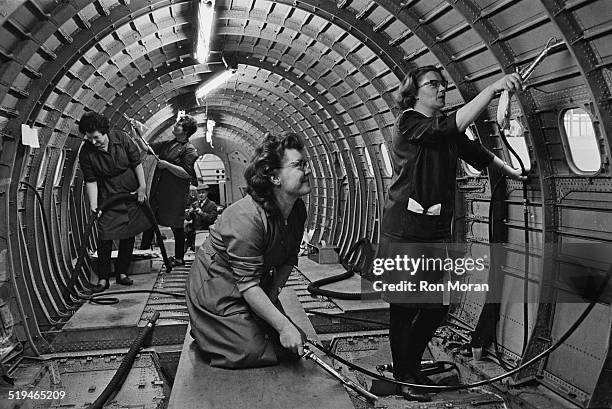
[
  {"x": 92, "y": 122},
  {"x": 189, "y": 124},
  {"x": 267, "y": 158},
  {"x": 406, "y": 96}
]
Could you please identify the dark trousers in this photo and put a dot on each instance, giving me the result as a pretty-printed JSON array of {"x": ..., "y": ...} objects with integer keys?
[
  {"x": 411, "y": 328},
  {"x": 105, "y": 248},
  {"x": 179, "y": 241},
  {"x": 190, "y": 237}
]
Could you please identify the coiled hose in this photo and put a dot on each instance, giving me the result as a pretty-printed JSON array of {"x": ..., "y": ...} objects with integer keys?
[
  {"x": 115, "y": 383},
  {"x": 362, "y": 266}
]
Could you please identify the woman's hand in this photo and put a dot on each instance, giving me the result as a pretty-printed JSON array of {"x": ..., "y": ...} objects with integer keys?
[
  {"x": 512, "y": 173},
  {"x": 141, "y": 192},
  {"x": 510, "y": 82},
  {"x": 95, "y": 210},
  {"x": 162, "y": 164},
  {"x": 291, "y": 339}
]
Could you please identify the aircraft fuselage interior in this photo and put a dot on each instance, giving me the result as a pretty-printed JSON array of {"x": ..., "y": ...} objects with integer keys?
[{"x": 453, "y": 161}]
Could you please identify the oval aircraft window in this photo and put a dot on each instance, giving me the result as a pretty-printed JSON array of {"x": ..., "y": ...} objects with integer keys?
[
  {"x": 579, "y": 137},
  {"x": 386, "y": 159}
]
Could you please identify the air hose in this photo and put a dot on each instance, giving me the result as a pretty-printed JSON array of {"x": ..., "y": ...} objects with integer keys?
[
  {"x": 526, "y": 239},
  {"x": 503, "y": 115},
  {"x": 82, "y": 251},
  {"x": 124, "y": 368},
  {"x": 438, "y": 388},
  {"x": 365, "y": 261}
]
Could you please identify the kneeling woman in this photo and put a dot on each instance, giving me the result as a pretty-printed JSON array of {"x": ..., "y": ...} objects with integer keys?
[{"x": 233, "y": 285}]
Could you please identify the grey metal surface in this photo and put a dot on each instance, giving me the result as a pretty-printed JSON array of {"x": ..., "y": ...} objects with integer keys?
[
  {"x": 77, "y": 381},
  {"x": 293, "y": 384}
]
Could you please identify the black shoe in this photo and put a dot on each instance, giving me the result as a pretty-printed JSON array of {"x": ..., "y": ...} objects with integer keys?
[
  {"x": 124, "y": 281},
  {"x": 177, "y": 262},
  {"x": 98, "y": 288},
  {"x": 415, "y": 394}
]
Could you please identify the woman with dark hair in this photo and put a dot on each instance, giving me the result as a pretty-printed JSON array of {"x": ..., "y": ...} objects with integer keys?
[
  {"x": 110, "y": 163},
  {"x": 233, "y": 285},
  {"x": 419, "y": 209},
  {"x": 170, "y": 186}
]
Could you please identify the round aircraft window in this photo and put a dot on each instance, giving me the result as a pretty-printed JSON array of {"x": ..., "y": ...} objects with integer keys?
[{"x": 580, "y": 141}]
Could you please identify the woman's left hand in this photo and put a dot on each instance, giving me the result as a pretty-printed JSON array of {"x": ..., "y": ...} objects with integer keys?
[
  {"x": 141, "y": 192},
  {"x": 513, "y": 173}
]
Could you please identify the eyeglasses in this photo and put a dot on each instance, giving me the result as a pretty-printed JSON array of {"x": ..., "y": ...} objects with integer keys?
[
  {"x": 435, "y": 84},
  {"x": 301, "y": 164}
]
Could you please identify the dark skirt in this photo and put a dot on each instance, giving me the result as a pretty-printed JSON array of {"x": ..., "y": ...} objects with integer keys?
[
  {"x": 122, "y": 221},
  {"x": 169, "y": 198}
]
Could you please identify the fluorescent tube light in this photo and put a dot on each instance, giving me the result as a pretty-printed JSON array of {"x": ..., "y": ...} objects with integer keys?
[
  {"x": 208, "y": 86},
  {"x": 206, "y": 11}
]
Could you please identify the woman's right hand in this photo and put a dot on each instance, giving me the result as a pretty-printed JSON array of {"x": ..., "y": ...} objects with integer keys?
[
  {"x": 291, "y": 339},
  {"x": 163, "y": 164}
]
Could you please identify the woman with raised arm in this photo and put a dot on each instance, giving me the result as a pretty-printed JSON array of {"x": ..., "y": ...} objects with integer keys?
[
  {"x": 170, "y": 187},
  {"x": 419, "y": 209}
]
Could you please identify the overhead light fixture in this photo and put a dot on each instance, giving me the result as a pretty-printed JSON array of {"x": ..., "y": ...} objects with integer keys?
[
  {"x": 206, "y": 11},
  {"x": 180, "y": 114},
  {"x": 208, "y": 86}
]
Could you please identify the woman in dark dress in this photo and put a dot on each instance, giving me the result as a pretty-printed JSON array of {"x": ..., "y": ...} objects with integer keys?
[
  {"x": 170, "y": 186},
  {"x": 233, "y": 286},
  {"x": 110, "y": 163},
  {"x": 419, "y": 209}
]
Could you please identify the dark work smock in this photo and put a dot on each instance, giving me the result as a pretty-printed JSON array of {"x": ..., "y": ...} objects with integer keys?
[
  {"x": 244, "y": 246},
  {"x": 114, "y": 172},
  {"x": 169, "y": 193},
  {"x": 424, "y": 155}
]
